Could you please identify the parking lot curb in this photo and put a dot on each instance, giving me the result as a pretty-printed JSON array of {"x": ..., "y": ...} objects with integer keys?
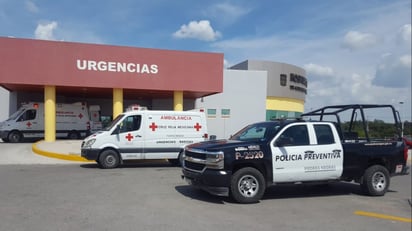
[{"x": 60, "y": 156}]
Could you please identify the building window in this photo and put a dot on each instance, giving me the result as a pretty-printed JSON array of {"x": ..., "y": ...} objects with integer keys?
[
  {"x": 225, "y": 113},
  {"x": 211, "y": 113},
  {"x": 283, "y": 80}
]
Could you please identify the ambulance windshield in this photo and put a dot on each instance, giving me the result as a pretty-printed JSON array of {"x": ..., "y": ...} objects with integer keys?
[
  {"x": 113, "y": 123},
  {"x": 16, "y": 115}
]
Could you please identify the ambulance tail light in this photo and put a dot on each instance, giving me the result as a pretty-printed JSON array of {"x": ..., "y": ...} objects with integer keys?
[
  {"x": 35, "y": 105},
  {"x": 88, "y": 125},
  {"x": 205, "y": 136}
]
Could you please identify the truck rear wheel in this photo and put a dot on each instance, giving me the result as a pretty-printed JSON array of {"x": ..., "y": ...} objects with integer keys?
[
  {"x": 15, "y": 137},
  {"x": 375, "y": 181},
  {"x": 109, "y": 159},
  {"x": 247, "y": 185}
]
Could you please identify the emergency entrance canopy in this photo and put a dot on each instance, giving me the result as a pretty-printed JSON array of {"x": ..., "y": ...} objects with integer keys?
[{"x": 27, "y": 62}]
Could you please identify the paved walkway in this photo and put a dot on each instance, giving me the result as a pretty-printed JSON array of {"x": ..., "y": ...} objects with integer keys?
[
  {"x": 60, "y": 149},
  {"x": 57, "y": 152}
]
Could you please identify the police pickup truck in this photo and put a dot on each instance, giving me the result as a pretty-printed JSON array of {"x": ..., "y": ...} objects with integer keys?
[{"x": 299, "y": 151}]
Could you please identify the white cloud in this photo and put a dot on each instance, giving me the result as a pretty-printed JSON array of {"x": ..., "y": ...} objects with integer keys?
[
  {"x": 31, "y": 6},
  {"x": 245, "y": 43},
  {"x": 355, "y": 40},
  {"x": 406, "y": 61},
  {"x": 201, "y": 30},
  {"x": 394, "y": 71},
  {"x": 226, "y": 12},
  {"x": 45, "y": 31},
  {"x": 318, "y": 70},
  {"x": 405, "y": 34}
]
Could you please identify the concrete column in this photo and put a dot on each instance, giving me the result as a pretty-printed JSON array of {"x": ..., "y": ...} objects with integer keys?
[
  {"x": 117, "y": 101},
  {"x": 178, "y": 100},
  {"x": 50, "y": 113}
]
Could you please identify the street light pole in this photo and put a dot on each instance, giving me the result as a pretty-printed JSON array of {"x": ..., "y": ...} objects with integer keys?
[{"x": 402, "y": 123}]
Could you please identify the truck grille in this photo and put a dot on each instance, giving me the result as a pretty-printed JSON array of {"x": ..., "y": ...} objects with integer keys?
[
  {"x": 189, "y": 161},
  {"x": 194, "y": 166},
  {"x": 198, "y": 160},
  {"x": 197, "y": 155}
]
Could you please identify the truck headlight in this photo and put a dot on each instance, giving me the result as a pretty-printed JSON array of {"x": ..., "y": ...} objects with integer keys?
[
  {"x": 89, "y": 143},
  {"x": 215, "y": 160}
]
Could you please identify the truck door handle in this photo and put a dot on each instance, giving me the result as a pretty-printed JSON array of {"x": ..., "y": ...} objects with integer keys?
[{"x": 138, "y": 136}]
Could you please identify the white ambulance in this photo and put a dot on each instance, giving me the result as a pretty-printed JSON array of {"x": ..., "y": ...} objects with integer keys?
[
  {"x": 73, "y": 121},
  {"x": 145, "y": 134}
]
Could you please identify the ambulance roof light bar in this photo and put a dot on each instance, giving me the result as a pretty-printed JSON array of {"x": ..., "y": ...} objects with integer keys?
[{"x": 136, "y": 107}]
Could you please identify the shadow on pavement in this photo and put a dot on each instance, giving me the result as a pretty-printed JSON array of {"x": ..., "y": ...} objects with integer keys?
[
  {"x": 281, "y": 192},
  {"x": 136, "y": 164},
  {"x": 200, "y": 195}
]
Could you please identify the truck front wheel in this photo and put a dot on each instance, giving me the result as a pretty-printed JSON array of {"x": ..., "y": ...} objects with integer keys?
[
  {"x": 247, "y": 185},
  {"x": 375, "y": 181},
  {"x": 109, "y": 159}
]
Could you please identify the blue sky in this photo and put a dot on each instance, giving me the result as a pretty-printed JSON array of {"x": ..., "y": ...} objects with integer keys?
[{"x": 353, "y": 51}]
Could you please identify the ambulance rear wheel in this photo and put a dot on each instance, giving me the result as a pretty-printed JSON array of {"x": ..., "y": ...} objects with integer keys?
[
  {"x": 109, "y": 159},
  {"x": 15, "y": 137},
  {"x": 247, "y": 185}
]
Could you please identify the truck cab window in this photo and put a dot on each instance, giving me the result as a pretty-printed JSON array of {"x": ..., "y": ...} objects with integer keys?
[
  {"x": 131, "y": 123},
  {"x": 295, "y": 135},
  {"x": 324, "y": 134}
]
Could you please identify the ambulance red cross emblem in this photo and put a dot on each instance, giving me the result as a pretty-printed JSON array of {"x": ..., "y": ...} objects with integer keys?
[
  {"x": 129, "y": 137},
  {"x": 153, "y": 126},
  {"x": 28, "y": 124},
  {"x": 197, "y": 126}
]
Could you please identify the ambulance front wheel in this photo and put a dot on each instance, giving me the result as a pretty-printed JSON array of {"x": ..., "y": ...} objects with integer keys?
[
  {"x": 109, "y": 159},
  {"x": 177, "y": 162},
  {"x": 15, "y": 137}
]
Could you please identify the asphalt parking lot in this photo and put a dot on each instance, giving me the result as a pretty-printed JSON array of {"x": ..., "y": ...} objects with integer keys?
[{"x": 60, "y": 195}]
